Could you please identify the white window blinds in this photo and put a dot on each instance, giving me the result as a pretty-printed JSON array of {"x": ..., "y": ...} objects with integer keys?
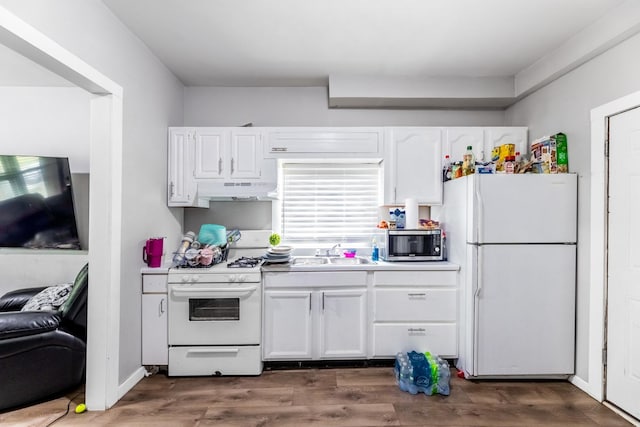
[{"x": 329, "y": 202}]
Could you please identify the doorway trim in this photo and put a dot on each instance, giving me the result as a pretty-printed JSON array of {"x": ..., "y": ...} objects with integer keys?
[
  {"x": 105, "y": 200},
  {"x": 598, "y": 246}
]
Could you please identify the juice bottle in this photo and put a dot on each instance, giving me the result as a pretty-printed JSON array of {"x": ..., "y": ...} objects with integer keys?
[{"x": 468, "y": 162}]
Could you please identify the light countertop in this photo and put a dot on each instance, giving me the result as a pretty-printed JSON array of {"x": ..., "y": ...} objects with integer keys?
[{"x": 374, "y": 266}]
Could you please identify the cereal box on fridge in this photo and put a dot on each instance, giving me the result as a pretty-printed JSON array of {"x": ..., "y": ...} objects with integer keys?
[{"x": 550, "y": 154}]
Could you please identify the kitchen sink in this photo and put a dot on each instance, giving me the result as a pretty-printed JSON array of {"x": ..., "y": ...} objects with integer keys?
[
  {"x": 309, "y": 260},
  {"x": 328, "y": 261},
  {"x": 349, "y": 261}
]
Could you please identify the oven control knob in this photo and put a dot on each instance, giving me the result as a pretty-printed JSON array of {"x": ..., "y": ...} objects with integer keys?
[
  {"x": 232, "y": 278},
  {"x": 242, "y": 278},
  {"x": 195, "y": 278},
  {"x": 185, "y": 278}
]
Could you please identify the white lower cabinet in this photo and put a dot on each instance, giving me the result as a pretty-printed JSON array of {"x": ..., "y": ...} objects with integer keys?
[
  {"x": 287, "y": 325},
  {"x": 155, "y": 348},
  {"x": 343, "y": 323},
  {"x": 414, "y": 310},
  {"x": 315, "y": 316}
]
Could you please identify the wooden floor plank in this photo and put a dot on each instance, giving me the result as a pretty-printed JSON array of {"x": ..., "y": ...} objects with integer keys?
[
  {"x": 319, "y": 415},
  {"x": 362, "y": 397},
  {"x": 495, "y": 415}
]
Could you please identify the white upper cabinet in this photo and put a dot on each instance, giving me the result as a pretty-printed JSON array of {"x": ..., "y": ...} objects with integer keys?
[
  {"x": 224, "y": 153},
  {"x": 483, "y": 140},
  {"x": 223, "y": 163},
  {"x": 210, "y": 152},
  {"x": 456, "y": 141},
  {"x": 181, "y": 182},
  {"x": 496, "y": 136},
  {"x": 246, "y": 154},
  {"x": 363, "y": 142},
  {"x": 413, "y": 165}
]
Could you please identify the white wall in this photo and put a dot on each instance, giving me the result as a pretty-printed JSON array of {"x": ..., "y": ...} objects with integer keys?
[
  {"x": 308, "y": 106},
  {"x": 294, "y": 106},
  {"x": 24, "y": 269},
  {"x": 46, "y": 121},
  {"x": 565, "y": 105},
  {"x": 50, "y": 121},
  {"x": 152, "y": 101}
]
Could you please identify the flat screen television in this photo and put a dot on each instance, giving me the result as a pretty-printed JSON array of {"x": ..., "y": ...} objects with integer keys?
[{"x": 36, "y": 203}]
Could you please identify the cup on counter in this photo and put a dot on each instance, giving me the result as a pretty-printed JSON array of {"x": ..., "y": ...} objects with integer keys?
[
  {"x": 206, "y": 255},
  {"x": 192, "y": 256}
]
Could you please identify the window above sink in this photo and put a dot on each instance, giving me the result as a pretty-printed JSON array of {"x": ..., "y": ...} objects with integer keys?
[{"x": 322, "y": 203}]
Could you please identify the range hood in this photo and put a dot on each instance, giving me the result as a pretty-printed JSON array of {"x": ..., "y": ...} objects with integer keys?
[{"x": 237, "y": 190}]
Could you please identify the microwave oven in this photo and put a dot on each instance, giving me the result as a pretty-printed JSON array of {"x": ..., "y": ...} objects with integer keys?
[{"x": 413, "y": 245}]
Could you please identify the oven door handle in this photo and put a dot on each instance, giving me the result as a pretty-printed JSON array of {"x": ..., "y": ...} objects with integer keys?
[{"x": 213, "y": 292}]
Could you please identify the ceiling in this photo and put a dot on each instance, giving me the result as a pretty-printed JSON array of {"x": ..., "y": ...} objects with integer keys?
[
  {"x": 370, "y": 53},
  {"x": 302, "y": 42}
]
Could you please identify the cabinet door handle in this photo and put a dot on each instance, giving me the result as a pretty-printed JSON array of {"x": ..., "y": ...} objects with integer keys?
[
  {"x": 323, "y": 301},
  {"x": 309, "y": 302},
  {"x": 417, "y": 295},
  {"x": 171, "y": 189},
  {"x": 232, "y": 166},
  {"x": 414, "y": 331},
  {"x": 162, "y": 307},
  {"x": 220, "y": 166}
]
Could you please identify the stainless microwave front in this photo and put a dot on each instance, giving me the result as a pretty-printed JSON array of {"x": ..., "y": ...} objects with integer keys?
[{"x": 413, "y": 245}]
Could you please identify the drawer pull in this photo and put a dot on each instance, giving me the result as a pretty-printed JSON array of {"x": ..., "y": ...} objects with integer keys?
[
  {"x": 416, "y": 331},
  {"x": 417, "y": 295},
  {"x": 213, "y": 351}
]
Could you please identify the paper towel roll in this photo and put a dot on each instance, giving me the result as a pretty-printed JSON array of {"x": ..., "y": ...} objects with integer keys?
[{"x": 411, "y": 210}]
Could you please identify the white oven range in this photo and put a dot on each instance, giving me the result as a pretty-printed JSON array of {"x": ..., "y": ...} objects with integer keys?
[{"x": 215, "y": 314}]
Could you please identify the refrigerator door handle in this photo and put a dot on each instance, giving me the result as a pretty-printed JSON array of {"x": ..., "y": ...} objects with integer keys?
[
  {"x": 476, "y": 294},
  {"x": 476, "y": 309},
  {"x": 479, "y": 216}
]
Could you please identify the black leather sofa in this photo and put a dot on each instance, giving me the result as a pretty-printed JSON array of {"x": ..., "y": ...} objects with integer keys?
[{"x": 42, "y": 353}]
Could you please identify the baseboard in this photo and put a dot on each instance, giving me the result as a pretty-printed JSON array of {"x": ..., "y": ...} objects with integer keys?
[
  {"x": 130, "y": 382},
  {"x": 584, "y": 386},
  {"x": 622, "y": 413}
]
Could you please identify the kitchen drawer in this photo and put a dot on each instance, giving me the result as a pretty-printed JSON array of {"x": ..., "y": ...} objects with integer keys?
[
  {"x": 154, "y": 283},
  {"x": 215, "y": 360},
  {"x": 415, "y": 305},
  {"x": 437, "y": 338},
  {"x": 415, "y": 278}
]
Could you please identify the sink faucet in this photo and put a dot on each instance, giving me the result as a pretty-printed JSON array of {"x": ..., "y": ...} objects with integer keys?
[
  {"x": 332, "y": 251},
  {"x": 329, "y": 252}
]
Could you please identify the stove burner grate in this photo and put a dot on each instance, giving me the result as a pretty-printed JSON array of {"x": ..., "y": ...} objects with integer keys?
[{"x": 245, "y": 262}]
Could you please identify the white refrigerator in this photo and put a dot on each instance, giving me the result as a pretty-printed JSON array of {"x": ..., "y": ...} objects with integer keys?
[{"x": 514, "y": 237}]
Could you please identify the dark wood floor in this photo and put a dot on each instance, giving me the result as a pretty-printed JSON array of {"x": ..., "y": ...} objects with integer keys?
[{"x": 364, "y": 397}]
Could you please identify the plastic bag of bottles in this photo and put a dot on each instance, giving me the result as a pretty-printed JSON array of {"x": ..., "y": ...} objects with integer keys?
[{"x": 422, "y": 373}]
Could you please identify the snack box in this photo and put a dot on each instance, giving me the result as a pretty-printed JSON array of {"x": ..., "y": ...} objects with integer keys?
[
  {"x": 502, "y": 152},
  {"x": 563, "y": 153},
  {"x": 550, "y": 154}
]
